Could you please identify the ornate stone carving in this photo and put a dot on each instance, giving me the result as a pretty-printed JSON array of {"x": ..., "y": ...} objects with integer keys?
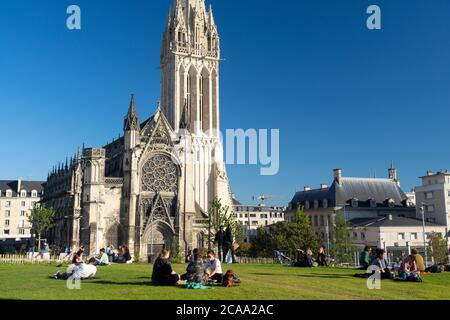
[
  {"x": 160, "y": 174},
  {"x": 157, "y": 209}
]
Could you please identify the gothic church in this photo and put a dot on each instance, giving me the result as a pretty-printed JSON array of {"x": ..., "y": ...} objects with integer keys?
[{"x": 151, "y": 188}]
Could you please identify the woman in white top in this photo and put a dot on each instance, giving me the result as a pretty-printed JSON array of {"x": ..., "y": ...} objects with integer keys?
[{"x": 213, "y": 267}]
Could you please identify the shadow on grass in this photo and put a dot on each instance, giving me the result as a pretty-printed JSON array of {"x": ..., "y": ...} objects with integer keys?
[
  {"x": 140, "y": 283},
  {"x": 329, "y": 276}
]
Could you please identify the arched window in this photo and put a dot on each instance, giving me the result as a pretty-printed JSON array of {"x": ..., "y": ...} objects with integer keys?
[
  {"x": 325, "y": 203},
  {"x": 34, "y": 194},
  {"x": 8, "y": 193},
  {"x": 23, "y": 193}
]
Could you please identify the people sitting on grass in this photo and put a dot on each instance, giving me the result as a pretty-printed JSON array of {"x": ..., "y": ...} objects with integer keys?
[
  {"x": 382, "y": 265},
  {"x": 364, "y": 258},
  {"x": 77, "y": 257},
  {"x": 408, "y": 269},
  {"x": 418, "y": 259},
  {"x": 163, "y": 274},
  {"x": 102, "y": 259},
  {"x": 321, "y": 257},
  {"x": 305, "y": 259},
  {"x": 80, "y": 271},
  {"x": 213, "y": 267},
  {"x": 111, "y": 253},
  {"x": 195, "y": 271},
  {"x": 124, "y": 255}
]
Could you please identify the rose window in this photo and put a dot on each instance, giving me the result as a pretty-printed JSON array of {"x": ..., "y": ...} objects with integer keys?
[{"x": 159, "y": 174}]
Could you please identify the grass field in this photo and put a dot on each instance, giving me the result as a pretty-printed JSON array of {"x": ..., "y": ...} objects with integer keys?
[{"x": 259, "y": 282}]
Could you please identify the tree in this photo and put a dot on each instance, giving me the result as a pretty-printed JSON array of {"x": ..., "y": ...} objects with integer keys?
[
  {"x": 342, "y": 248},
  {"x": 41, "y": 219},
  {"x": 438, "y": 247},
  {"x": 219, "y": 216},
  {"x": 289, "y": 236}
]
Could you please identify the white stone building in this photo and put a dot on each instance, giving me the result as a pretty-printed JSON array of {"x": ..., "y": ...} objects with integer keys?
[
  {"x": 381, "y": 214},
  {"x": 152, "y": 188},
  {"x": 396, "y": 234},
  {"x": 434, "y": 197},
  {"x": 17, "y": 199},
  {"x": 253, "y": 217}
]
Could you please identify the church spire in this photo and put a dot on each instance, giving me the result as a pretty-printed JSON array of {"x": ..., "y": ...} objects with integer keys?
[{"x": 131, "y": 119}]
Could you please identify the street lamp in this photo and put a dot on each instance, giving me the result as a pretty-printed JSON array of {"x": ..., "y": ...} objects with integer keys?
[
  {"x": 422, "y": 211},
  {"x": 327, "y": 230},
  {"x": 248, "y": 226}
]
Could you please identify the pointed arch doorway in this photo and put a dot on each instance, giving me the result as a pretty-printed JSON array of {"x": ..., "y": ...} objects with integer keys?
[{"x": 157, "y": 236}]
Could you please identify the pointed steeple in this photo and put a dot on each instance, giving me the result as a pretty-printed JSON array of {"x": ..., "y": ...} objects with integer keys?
[{"x": 131, "y": 119}]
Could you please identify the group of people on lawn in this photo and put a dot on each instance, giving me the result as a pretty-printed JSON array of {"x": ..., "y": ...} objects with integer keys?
[
  {"x": 78, "y": 270},
  {"x": 410, "y": 268},
  {"x": 200, "y": 272}
]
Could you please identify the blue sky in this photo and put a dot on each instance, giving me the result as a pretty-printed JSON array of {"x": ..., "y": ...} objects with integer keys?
[{"x": 341, "y": 95}]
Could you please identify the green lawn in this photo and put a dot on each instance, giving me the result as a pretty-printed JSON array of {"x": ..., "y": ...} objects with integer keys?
[{"x": 260, "y": 282}]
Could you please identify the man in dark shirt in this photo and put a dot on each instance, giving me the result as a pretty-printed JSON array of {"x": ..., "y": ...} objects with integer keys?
[
  {"x": 229, "y": 244},
  {"x": 219, "y": 241}
]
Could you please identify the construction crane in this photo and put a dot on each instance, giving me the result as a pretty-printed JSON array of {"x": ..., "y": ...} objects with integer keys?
[{"x": 262, "y": 199}]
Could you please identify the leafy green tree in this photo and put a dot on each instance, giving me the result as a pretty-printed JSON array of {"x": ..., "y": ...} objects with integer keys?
[
  {"x": 220, "y": 216},
  {"x": 289, "y": 236},
  {"x": 342, "y": 248},
  {"x": 42, "y": 219},
  {"x": 438, "y": 247},
  {"x": 263, "y": 244}
]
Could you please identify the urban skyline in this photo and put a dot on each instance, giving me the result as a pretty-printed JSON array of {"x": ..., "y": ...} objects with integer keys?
[{"x": 372, "y": 113}]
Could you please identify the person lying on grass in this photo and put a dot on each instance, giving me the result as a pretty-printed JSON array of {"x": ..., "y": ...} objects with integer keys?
[
  {"x": 80, "y": 271},
  {"x": 163, "y": 273},
  {"x": 213, "y": 267}
]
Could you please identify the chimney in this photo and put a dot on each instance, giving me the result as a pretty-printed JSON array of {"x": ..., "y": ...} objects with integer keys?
[
  {"x": 306, "y": 188},
  {"x": 337, "y": 173},
  {"x": 429, "y": 173},
  {"x": 323, "y": 186},
  {"x": 19, "y": 185}
]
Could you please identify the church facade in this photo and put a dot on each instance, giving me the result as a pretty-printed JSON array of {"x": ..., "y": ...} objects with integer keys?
[{"x": 152, "y": 188}]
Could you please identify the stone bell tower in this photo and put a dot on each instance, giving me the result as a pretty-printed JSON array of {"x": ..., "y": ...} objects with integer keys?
[{"x": 190, "y": 57}]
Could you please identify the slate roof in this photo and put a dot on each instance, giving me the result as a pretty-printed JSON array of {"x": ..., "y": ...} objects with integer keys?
[
  {"x": 361, "y": 189},
  {"x": 396, "y": 221},
  {"x": 365, "y": 189},
  {"x": 25, "y": 185},
  {"x": 236, "y": 202}
]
